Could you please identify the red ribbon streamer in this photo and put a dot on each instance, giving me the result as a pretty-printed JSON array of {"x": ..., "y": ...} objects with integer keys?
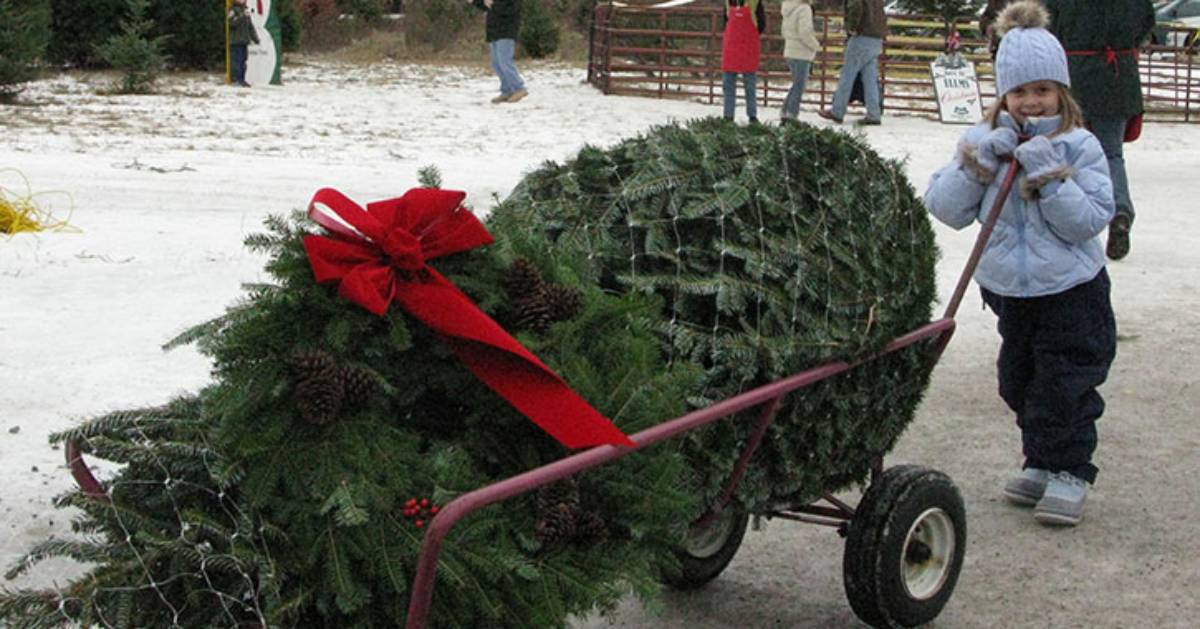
[{"x": 379, "y": 255}]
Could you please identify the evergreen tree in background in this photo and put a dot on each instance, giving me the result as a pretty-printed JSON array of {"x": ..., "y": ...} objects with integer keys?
[
  {"x": 774, "y": 249},
  {"x": 135, "y": 51},
  {"x": 539, "y": 30},
  {"x": 24, "y": 33}
]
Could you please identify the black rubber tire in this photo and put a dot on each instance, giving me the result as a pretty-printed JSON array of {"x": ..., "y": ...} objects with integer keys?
[
  {"x": 875, "y": 555},
  {"x": 698, "y": 566}
]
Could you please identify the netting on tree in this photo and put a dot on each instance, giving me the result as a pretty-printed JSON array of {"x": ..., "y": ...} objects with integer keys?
[{"x": 775, "y": 250}]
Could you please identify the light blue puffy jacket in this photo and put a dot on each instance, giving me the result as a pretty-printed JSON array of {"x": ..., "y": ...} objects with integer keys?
[{"x": 1041, "y": 245}]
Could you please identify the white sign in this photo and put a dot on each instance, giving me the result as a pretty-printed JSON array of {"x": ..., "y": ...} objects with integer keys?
[{"x": 956, "y": 89}]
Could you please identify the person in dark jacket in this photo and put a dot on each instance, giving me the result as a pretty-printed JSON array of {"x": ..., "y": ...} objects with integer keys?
[
  {"x": 741, "y": 48},
  {"x": 866, "y": 26},
  {"x": 241, "y": 34},
  {"x": 502, "y": 27},
  {"x": 1101, "y": 38}
]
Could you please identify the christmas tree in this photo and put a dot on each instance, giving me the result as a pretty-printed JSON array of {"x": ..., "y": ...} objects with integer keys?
[
  {"x": 774, "y": 249},
  {"x": 294, "y": 491}
]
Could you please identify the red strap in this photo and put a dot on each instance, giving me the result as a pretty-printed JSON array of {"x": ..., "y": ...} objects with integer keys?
[{"x": 1110, "y": 56}]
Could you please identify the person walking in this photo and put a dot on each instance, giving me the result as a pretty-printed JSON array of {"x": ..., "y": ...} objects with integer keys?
[
  {"x": 1102, "y": 39},
  {"x": 502, "y": 27},
  {"x": 241, "y": 35},
  {"x": 799, "y": 48},
  {"x": 1043, "y": 270},
  {"x": 866, "y": 25},
  {"x": 741, "y": 48}
]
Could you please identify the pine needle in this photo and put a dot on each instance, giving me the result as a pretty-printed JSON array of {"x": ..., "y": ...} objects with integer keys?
[{"x": 21, "y": 212}]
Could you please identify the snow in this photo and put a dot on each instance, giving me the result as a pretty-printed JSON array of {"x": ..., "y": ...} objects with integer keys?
[{"x": 163, "y": 188}]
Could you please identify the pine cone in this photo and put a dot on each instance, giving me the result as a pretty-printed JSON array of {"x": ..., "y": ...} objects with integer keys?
[
  {"x": 523, "y": 280},
  {"x": 590, "y": 528},
  {"x": 562, "y": 302},
  {"x": 557, "y": 525},
  {"x": 319, "y": 400},
  {"x": 533, "y": 313},
  {"x": 357, "y": 384},
  {"x": 320, "y": 390}
]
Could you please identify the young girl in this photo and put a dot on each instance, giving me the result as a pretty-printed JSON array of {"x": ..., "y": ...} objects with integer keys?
[
  {"x": 740, "y": 51},
  {"x": 1042, "y": 272},
  {"x": 799, "y": 47}
]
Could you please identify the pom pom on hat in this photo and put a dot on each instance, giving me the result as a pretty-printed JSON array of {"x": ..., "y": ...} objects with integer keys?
[
  {"x": 1026, "y": 14},
  {"x": 1028, "y": 52}
]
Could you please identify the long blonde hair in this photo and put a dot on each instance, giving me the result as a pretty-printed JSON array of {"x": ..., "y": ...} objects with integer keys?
[{"x": 1068, "y": 109}]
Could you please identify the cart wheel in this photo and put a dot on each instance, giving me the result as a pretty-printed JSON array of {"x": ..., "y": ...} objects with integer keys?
[
  {"x": 904, "y": 547},
  {"x": 706, "y": 551}
]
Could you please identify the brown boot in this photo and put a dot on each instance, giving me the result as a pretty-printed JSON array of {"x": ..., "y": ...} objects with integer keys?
[
  {"x": 503, "y": 98},
  {"x": 1118, "y": 237},
  {"x": 517, "y": 95},
  {"x": 828, "y": 115}
]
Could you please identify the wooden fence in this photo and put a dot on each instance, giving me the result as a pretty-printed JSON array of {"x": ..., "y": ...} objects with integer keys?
[{"x": 676, "y": 53}]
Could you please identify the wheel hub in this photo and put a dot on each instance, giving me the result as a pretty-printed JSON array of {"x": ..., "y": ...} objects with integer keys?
[{"x": 928, "y": 554}]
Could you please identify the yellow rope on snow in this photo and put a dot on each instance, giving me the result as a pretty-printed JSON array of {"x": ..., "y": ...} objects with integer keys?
[{"x": 21, "y": 213}]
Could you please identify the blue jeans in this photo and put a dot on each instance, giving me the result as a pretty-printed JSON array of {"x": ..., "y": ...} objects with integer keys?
[
  {"x": 862, "y": 57},
  {"x": 729, "y": 86},
  {"x": 237, "y": 62},
  {"x": 1111, "y": 133},
  {"x": 502, "y": 62},
  {"x": 791, "y": 104}
]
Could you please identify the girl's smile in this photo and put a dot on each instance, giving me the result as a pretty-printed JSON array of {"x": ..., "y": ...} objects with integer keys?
[{"x": 1031, "y": 100}]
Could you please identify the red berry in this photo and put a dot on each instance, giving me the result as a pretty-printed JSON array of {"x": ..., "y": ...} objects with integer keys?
[
  {"x": 412, "y": 502},
  {"x": 433, "y": 510},
  {"x": 424, "y": 502},
  {"x": 420, "y": 524}
]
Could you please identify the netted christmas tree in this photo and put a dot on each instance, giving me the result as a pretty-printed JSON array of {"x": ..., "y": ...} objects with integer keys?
[
  {"x": 774, "y": 249},
  {"x": 295, "y": 490}
]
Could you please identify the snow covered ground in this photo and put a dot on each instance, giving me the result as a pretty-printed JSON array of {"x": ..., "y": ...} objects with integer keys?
[{"x": 161, "y": 190}]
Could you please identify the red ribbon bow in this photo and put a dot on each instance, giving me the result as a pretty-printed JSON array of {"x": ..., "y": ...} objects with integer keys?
[{"x": 379, "y": 255}]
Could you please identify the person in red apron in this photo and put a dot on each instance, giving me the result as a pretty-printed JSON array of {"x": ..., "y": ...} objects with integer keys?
[
  {"x": 1101, "y": 38},
  {"x": 740, "y": 51}
]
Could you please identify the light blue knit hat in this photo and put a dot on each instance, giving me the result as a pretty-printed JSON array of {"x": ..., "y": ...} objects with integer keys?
[{"x": 1028, "y": 52}]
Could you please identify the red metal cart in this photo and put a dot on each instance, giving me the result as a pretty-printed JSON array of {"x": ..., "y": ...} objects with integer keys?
[{"x": 904, "y": 540}]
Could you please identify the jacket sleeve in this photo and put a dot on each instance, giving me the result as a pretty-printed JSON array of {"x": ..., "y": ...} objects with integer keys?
[
  {"x": 760, "y": 16},
  {"x": 1078, "y": 208},
  {"x": 953, "y": 195}
]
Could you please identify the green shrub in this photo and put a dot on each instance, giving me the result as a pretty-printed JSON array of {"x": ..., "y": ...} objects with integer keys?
[
  {"x": 78, "y": 29},
  {"x": 24, "y": 33},
  {"x": 135, "y": 51},
  {"x": 539, "y": 30},
  {"x": 196, "y": 31}
]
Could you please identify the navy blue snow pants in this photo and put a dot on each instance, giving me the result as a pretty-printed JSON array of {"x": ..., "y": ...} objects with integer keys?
[{"x": 1055, "y": 351}]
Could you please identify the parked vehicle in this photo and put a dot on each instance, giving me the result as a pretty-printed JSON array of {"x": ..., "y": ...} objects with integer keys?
[{"x": 1178, "y": 23}]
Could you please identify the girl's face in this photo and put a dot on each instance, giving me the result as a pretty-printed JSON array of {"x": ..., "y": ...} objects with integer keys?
[{"x": 1038, "y": 98}]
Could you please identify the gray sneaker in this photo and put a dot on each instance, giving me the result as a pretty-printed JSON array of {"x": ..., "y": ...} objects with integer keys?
[
  {"x": 1062, "y": 503},
  {"x": 1027, "y": 488}
]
